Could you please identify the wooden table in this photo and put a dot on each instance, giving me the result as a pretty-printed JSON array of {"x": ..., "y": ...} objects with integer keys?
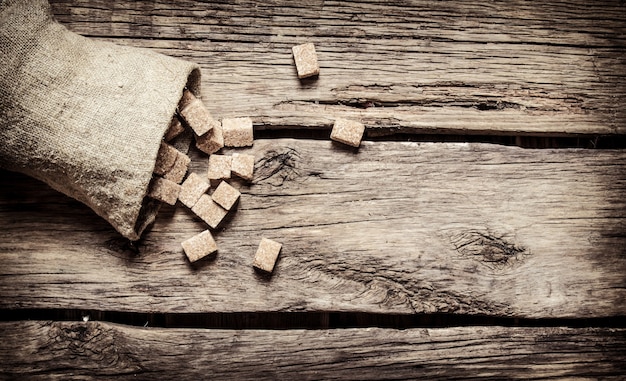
[{"x": 433, "y": 251}]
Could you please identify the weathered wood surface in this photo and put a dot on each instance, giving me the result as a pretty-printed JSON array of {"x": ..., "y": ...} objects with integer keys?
[
  {"x": 464, "y": 67},
  {"x": 393, "y": 228},
  {"x": 73, "y": 350}
]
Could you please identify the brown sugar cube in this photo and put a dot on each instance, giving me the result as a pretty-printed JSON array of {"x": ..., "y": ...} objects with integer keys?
[
  {"x": 179, "y": 170},
  {"x": 347, "y": 132},
  {"x": 176, "y": 128},
  {"x": 212, "y": 141},
  {"x": 199, "y": 246},
  {"x": 306, "y": 60},
  {"x": 238, "y": 132},
  {"x": 209, "y": 211},
  {"x": 165, "y": 159},
  {"x": 266, "y": 255},
  {"x": 243, "y": 165},
  {"x": 193, "y": 112},
  {"x": 192, "y": 189},
  {"x": 225, "y": 195},
  {"x": 219, "y": 167},
  {"x": 164, "y": 190}
]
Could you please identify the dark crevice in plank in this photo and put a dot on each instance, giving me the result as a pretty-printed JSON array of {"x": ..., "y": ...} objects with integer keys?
[
  {"x": 301, "y": 320},
  {"x": 257, "y": 36},
  {"x": 151, "y": 38},
  {"x": 585, "y": 141}
]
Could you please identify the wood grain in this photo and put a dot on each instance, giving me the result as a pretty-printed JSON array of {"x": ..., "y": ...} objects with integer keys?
[
  {"x": 391, "y": 228},
  {"x": 464, "y": 67},
  {"x": 93, "y": 350}
]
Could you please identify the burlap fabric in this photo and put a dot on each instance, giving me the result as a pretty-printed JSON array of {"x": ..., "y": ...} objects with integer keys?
[{"x": 85, "y": 116}]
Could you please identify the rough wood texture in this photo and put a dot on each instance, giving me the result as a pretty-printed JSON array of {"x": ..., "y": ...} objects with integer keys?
[
  {"x": 510, "y": 67},
  {"x": 85, "y": 351},
  {"x": 392, "y": 228}
]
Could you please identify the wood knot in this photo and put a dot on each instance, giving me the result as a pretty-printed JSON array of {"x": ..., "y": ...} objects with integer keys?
[
  {"x": 491, "y": 250},
  {"x": 93, "y": 342},
  {"x": 276, "y": 167}
]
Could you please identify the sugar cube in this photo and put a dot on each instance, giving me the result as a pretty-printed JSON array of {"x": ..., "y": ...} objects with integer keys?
[
  {"x": 266, "y": 255},
  {"x": 176, "y": 128},
  {"x": 212, "y": 141},
  {"x": 166, "y": 157},
  {"x": 238, "y": 132},
  {"x": 225, "y": 195},
  {"x": 199, "y": 246},
  {"x": 179, "y": 169},
  {"x": 209, "y": 211},
  {"x": 219, "y": 167},
  {"x": 243, "y": 165},
  {"x": 347, "y": 132},
  {"x": 164, "y": 190},
  {"x": 306, "y": 60},
  {"x": 192, "y": 189},
  {"x": 193, "y": 112}
]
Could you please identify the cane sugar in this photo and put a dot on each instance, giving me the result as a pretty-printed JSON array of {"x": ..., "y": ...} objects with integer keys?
[
  {"x": 243, "y": 166},
  {"x": 179, "y": 169},
  {"x": 199, "y": 246},
  {"x": 347, "y": 132},
  {"x": 164, "y": 190},
  {"x": 212, "y": 141},
  {"x": 225, "y": 195},
  {"x": 209, "y": 211},
  {"x": 306, "y": 60},
  {"x": 238, "y": 132},
  {"x": 166, "y": 157},
  {"x": 192, "y": 189},
  {"x": 195, "y": 115},
  {"x": 176, "y": 128},
  {"x": 219, "y": 167},
  {"x": 266, "y": 255}
]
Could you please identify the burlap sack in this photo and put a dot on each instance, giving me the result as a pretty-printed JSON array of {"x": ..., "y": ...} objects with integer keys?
[{"x": 85, "y": 116}]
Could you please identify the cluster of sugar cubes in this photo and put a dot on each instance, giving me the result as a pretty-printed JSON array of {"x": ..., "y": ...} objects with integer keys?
[
  {"x": 171, "y": 167},
  {"x": 211, "y": 136}
]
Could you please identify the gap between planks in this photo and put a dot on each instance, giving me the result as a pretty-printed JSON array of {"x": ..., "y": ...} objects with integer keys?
[{"x": 299, "y": 320}]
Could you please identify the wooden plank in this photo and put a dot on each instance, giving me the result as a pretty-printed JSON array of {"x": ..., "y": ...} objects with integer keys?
[
  {"x": 393, "y": 228},
  {"x": 94, "y": 350},
  {"x": 469, "y": 67}
]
